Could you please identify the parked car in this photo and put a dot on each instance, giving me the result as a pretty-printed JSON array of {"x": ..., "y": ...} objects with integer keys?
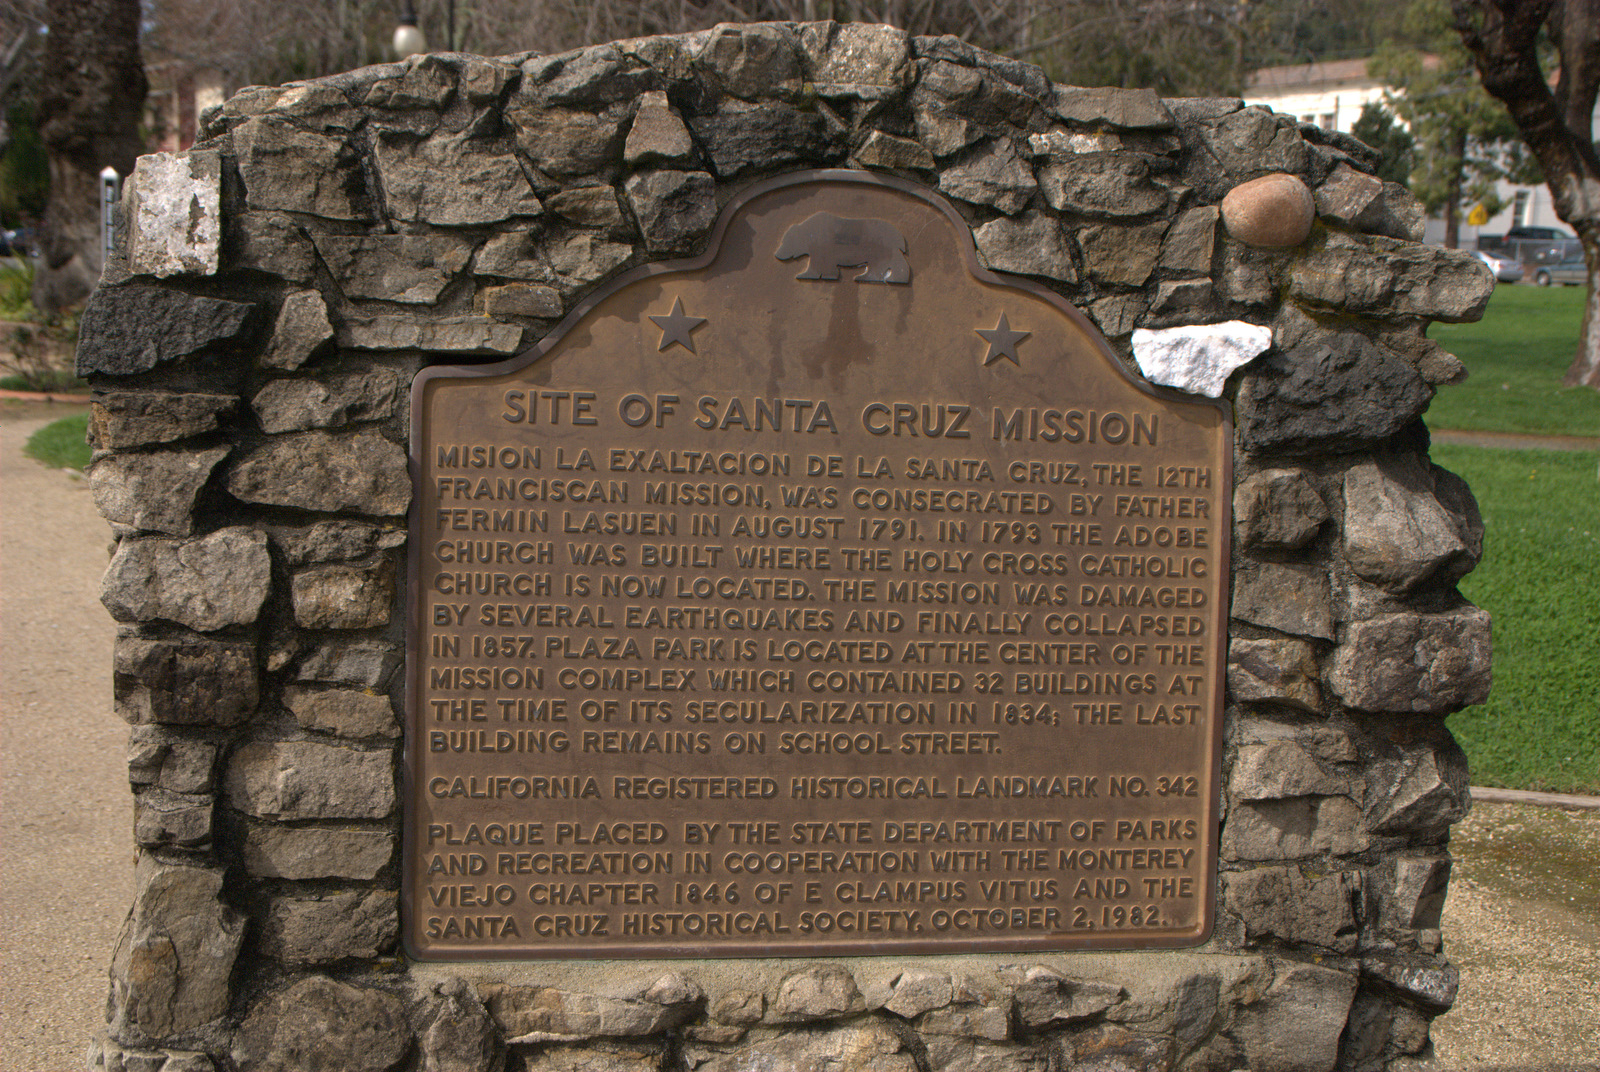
[
  {"x": 1546, "y": 234},
  {"x": 1572, "y": 272},
  {"x": 1505, "y": 269}
]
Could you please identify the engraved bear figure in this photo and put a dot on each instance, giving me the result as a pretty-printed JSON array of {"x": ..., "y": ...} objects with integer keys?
[{"x": 834, "y": 242}]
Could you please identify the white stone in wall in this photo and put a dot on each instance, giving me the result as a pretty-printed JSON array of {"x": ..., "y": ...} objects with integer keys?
[
  {"x": 1198, "y": 358},
  {"x": 175, "y": 213}
]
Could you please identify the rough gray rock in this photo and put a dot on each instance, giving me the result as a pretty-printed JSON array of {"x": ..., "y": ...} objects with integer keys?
[
  {"x": 952, "y": 1054},
  {"x": 1046, "y": 999},
  {"x": 590, "y": 206},
  {"x": 868, "y": 1046},
  {"x": 1099, "y": 184},
  {"x": 170, "y": 968},
  {"x": 163, "y": 819},
  {"x": 132, "y": 329},
  {"x": 206, "y": 583},
  {"x": 996, "y": 176},
  {"x": 977, "y": 1011},
  {"x": 270, "y": 242},
  {"x": 1272, "y": 212},
  {"x": 154, "y": 492},
  {"x": 1291, "y": 597},
  {"x": 1281, "y": 769},
  {"x": 156, "y": 757},
  {"x": 333, "y": 541},
  {"x": 1432, "y": 663},
  {"x": 1387, "y": 278},
  {"x": 1247, "y": 143},
  {"x": 1126, "y": 109},
  {"x": 293, "y": 170},
  {"x": 394, "y": 267},
  {"x": 318, "y": 1025},
  {"x": 186, "y": 681},
  {"x": 1433, "y": 986},
  {"x": 753, "y": 62},
  {"x": 674, "y": 208},
  {"x": 1030, "y": 244},
  {"x": 1277, "y": 510},
  {"x": 1198, "y": 358},
  {"x": 1285, "y": 904},
  {"x": 857, "y": 60},
  {"x": 513, "y": 255},
  {"x": 767, "y": 135},
  {"x": 175, "y": 213},
  {"x": 1191, "y": 241},
  {"x": 1113, "y": 1048},
  {"x": 342, "y": 712},
  {"x": 568, "y": 142},
  {"x": 1121, "y": 254},
  {"x": 302, "y": 326},
  {"x": 290, "y": 780},
  {"x": 739, "y": 1007},
  {"x": 522, "y": 299},
  {"x": 916, "y": 991},
  {"x": 886, "y": 151},
  {"x": 311, "y": 852},
  {"x": 316, "y": 471},
  {"x": 143, "y": 418},
  {"x": 658, "y": 136},
  {"x": 450, "y": 334},
  {"x": 1363, "y": 202},
  {"x": 1291, "y": 829},
  {"x": 545, "y": 1014},
  {"x": 1416, "y": 900},
  {"x": 581, "y": 259},
  {"x": 1116, "y": 315},
  {"x": 590, "y": 77},
  {"x": 295, "y": 404},
  {"x": 825, "y": 992},
  {"x": 1430, "y": 794},
  {"x": 1328, "y": 392},
  {"x": 455, "y": 1031},
  {"x": 1274, "y": 670},
  {"x": 452, "y": 181},
  {"x": 324, "y": 928},
  {"x": 1397, "y": 534},
  {"x": 358, "y": 661},
  {"x": 1295, "y": 1026}
]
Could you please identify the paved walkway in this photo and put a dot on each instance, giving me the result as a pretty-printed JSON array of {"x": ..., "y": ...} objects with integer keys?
[{"x": 66, "y": 850}]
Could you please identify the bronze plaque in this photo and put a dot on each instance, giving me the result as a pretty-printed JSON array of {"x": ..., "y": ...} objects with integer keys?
[{"x": 826, "y": 594}]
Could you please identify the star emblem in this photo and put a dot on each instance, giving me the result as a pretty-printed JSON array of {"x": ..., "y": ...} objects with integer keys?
[
  {"x": 676, "y": 326},
  {"x": 1002, "y": 341}
]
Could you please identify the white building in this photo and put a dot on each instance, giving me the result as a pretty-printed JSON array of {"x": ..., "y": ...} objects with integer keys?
[{"x": 1331, "y": 95}]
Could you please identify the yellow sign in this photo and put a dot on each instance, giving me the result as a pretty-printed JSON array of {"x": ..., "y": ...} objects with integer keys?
[{"x": 1478, "y": 216}]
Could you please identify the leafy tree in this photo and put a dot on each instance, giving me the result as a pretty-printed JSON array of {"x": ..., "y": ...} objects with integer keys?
[
  {"x": 1507, "y": 40},
  {"x": 1465, "y": 141},
  {"x": 1396, "y": 147}
]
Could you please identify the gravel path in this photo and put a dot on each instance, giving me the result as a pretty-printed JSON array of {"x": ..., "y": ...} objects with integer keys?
[
  {"x": 1522, "y": 921},
  {"x": 65, "y": 812}
]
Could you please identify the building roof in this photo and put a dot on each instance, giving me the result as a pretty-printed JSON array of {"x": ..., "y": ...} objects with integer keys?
[{"x": 1305, "y": 75}]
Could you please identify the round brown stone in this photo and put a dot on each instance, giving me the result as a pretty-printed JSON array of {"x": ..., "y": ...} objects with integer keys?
[{"x": 1272, "y": 212}]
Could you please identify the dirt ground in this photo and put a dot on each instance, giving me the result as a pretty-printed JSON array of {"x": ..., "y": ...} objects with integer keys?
[{"x": 1522, "y": 920}]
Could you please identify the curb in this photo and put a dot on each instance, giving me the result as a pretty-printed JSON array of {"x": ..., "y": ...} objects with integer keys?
[
  {"x": 1546, "y": 800},
  {"x": 47, "y": 396}
]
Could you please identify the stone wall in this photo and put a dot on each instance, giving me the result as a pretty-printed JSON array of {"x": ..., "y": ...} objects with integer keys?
[{"x": 251, "y": 350}]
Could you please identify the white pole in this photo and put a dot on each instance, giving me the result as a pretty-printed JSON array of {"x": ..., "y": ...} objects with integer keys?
[{"x": 109, "y": 183}]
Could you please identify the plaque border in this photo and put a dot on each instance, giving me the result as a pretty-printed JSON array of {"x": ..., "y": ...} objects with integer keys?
[{"x": 689, "y": 950}]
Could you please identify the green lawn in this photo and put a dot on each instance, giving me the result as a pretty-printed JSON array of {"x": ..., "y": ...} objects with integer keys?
[
  {"x": 1541, "y": 726},
  {"x": 1516, "y": 356},
  {"x": 60, "y": 444}
]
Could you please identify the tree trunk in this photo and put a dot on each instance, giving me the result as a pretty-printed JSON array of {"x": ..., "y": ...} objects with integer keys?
[
  {"x": 1585, "y": 370},
  {"x": 1452, "y": 201},
  {"x": 1503, "y": 39},
  {"x": 90, "y": 103}
]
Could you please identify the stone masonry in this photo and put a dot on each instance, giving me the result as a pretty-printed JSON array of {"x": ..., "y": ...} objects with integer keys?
[{"x": 251, "y": 351}]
